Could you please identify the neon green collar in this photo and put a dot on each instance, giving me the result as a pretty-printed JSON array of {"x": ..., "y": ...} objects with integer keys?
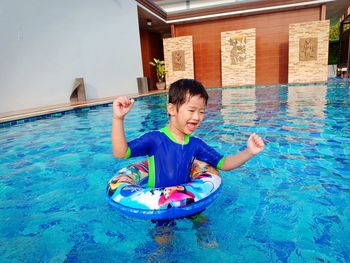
[{"x": 168, "y": 133}]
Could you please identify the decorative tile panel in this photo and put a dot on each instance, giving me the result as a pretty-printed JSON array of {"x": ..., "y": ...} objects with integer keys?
[
  {"x": 238, "y": 57},
  {"x": 178, "y": 57},
  {"x": 308, "y": 52}
]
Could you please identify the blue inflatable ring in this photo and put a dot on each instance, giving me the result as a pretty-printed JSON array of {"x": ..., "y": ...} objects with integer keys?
[{"x": 128, "y": 193}]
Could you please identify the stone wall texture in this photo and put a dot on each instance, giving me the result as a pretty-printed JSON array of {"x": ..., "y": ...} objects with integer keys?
[
  {"x": 238, "y": 57},
  {"x": 308, "y": 52},
  {"x": 178, "y": 58}
]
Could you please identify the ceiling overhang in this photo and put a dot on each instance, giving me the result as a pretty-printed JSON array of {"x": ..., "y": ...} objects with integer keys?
[{"x": 227, "y": 10}]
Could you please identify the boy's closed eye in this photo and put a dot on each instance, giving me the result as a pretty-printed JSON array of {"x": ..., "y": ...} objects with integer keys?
[{"x": 192, "y": 109}]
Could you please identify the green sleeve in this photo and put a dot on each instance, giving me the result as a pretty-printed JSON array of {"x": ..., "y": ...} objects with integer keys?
[{"x": 221, "y": 162}]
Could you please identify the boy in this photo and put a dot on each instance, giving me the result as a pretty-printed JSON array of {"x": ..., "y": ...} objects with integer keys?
[{"x": 171, "y": 150}]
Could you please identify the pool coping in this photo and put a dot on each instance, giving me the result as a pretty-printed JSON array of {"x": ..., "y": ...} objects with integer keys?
[{"x": 20, "y": 116}]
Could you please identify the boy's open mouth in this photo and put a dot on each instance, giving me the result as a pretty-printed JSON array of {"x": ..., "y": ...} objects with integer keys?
[{"x": 191, "y": 126}]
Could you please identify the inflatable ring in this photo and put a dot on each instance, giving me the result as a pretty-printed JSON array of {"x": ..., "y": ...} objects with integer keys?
[{"x": 128, "y": 193}]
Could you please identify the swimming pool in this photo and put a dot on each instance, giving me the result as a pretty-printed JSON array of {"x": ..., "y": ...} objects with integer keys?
[{"x": 289, "y": 204}]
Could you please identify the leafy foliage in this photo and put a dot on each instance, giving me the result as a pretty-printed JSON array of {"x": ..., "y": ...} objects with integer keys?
[
  {"x": 160, "y": 69},
  {"x": 334, "y": 31}
]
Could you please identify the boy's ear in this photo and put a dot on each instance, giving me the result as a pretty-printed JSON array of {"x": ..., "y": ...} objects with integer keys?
[{"x": 171, "y": 109}]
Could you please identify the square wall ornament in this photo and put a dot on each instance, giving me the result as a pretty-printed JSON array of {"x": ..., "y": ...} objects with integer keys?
[
  {"x": 238, "y": 49},
  {"x": 307, "y": 49},
  {"x": 238, "y": 57},
  {"x": 308, "y": 52},
  {"x": 179, "y": 61},
  {"x": 178, "y": 58}
]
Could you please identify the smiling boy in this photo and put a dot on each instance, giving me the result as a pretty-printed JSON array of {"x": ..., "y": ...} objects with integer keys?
[{"x": 172, "y": 150}]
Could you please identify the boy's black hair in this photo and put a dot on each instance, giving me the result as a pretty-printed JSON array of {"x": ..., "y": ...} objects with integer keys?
[{"x": 180, "y": 88}]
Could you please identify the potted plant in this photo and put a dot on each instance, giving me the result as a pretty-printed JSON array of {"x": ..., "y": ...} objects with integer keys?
[{"x": 160, "y": 70}]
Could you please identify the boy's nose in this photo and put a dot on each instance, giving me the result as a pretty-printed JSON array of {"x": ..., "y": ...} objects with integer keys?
[{"x": 195, "y": 116}]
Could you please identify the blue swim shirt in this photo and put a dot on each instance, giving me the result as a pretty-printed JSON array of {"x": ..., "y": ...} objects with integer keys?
[{"x": 170, "y": 162}]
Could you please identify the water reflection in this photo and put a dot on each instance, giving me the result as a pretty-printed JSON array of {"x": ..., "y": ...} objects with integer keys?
[
  {"x": 307, "y": 100},
  {"x": 238, "y": 106}
]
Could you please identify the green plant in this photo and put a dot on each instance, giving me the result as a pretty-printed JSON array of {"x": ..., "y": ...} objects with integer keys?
[
  {"x": 334, "y": 31},
  {"x": 160, "y": 69}
]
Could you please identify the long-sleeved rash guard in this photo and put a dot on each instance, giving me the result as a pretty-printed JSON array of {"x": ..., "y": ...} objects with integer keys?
[{"x": 170, "y": 162}]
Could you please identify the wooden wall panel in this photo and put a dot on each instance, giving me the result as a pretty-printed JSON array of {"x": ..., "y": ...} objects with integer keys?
[
  {"x": 271, "y": 44},
  {"x": 151, "y": 47}
]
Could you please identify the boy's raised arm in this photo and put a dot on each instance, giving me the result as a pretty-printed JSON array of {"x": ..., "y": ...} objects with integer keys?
[
  {"x": 254, "y": 145},
  {"x": 121, "y": 106}
]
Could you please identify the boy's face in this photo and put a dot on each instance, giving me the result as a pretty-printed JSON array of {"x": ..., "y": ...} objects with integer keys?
[{"x": 189, "y": 115}]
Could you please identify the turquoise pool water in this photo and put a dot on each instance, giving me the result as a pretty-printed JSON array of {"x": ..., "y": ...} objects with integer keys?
[{"x": 289, "y": 204}]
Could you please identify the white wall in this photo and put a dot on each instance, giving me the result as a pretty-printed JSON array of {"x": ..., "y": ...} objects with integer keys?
[{"x": 46, "y": 44}]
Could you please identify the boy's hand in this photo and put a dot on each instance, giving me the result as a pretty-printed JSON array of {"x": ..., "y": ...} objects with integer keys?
[
  {"x": 121, "y": 106},
  {"x": 255, "y": 144}
]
